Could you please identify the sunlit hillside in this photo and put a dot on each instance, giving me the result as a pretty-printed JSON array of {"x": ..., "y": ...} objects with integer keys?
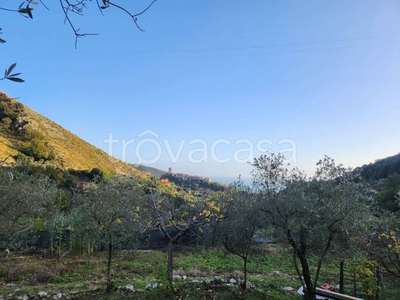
[{"x": 26, "y": 134}]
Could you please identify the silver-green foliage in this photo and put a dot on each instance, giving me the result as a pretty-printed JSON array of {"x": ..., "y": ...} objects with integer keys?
[
  {"x": 241, "y": 218},
  {"x": 112, "y": 211},
  {"x": 25, "y": 199},
  {"x": 312, "y": 214}
]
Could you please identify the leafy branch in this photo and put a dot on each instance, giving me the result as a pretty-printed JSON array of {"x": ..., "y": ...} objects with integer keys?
[
  {"x": 1, "y": 40},
  {"x": 12, "y": 77}
]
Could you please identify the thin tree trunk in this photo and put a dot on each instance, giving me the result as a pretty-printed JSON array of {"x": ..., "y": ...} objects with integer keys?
[
  {"x": 109, "y": 283},
  {"x": 297, "y": 269},
  {"x": 309, "y": 292},
  {"x": 321, "y": 259},
  {"x": 244, "y": 284},
  {"x": 170, "y": 261}
]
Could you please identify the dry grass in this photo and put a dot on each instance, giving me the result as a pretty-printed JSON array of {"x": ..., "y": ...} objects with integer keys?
[{"x": 71, "y": 151}]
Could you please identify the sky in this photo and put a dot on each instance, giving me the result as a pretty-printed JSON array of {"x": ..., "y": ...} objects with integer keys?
[{"x": 211, "y": 84}]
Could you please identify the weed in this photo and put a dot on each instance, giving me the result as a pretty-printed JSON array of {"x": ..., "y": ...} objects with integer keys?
[{"x": 3, "y": 272}]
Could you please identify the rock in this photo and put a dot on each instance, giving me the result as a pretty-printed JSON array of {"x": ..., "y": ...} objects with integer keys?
[
  {"x": 249, "y": 285},
  {"x": 59, "y": 295},
  {"x": 288, "y": 289},
  {"x": 207, "y": 281},
  {"x": 42, "y": 294},
  {"x": 196, "y": 281},
  {"x": 148, "y": 286},
  {"x": 99, "y": 282},
  {"x": 217, "y": 278},
  {"x": 26, "y": 297},
  {"x": 276, "y": 273},
  {"x": 130, "y": 288},
  {"x": 232, "y": 280},
  {"x": 176, "y": 277},
  {"x": 184, "y": 277}
]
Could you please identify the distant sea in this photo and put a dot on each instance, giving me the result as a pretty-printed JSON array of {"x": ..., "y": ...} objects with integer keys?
[{"x": 229, "y": 180}]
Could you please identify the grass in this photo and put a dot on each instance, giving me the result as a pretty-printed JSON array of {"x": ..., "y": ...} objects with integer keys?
[{"x": 83, "y": 277}]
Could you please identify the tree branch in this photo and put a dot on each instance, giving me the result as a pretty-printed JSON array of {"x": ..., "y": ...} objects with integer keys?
[
  {"x": 75, "y": 8},
  {"x": 133, "y": 16}
]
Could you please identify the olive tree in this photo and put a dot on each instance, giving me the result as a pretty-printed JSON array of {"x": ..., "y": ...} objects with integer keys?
[
  {"x": 383, "y": 246},
  {"x": 113, "y": 209},
  {"x": 24, "y": 198},
  {"x": 311, "y": 214},
  {"x": 177, "y": 215},
  {"x": 237, "y": 227}
]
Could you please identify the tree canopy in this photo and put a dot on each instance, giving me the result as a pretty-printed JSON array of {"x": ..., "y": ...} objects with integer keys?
[{"x": 311, "y": 214}]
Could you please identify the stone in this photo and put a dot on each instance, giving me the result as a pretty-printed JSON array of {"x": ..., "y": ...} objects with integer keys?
[
  {"x": 249, "y": 285},
  {"x": 276, "y": 273},
  {"x": 130, "y": 288},
  {"x": 148, "y": 286},
  {"x": 288, "y": 289},
  {"x": 42, "y": 294},
  {"x": 176, "y": 277},
  {"x": 232, "y": 280}
]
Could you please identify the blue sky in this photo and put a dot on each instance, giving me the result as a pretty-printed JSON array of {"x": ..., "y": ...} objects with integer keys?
[{"x": 208, "y": 80}]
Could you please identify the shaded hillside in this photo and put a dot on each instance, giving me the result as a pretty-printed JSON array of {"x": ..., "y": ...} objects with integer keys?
[
  {"x": 25, "y": 134},
  {"x": 384, "y": 177},
  {"x": 381, "y": 168},
  {"x": 152, "y": 171}
]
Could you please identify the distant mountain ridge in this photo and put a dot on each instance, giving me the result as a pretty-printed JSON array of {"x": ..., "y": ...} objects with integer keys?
[
  {"x": 150, "y": 170},
  {"x": 381, "y": 168},
  {"x": 25, "y": 134}
]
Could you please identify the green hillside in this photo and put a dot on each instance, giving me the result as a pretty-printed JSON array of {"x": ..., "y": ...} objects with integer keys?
[{"x": 25, "y": 134}]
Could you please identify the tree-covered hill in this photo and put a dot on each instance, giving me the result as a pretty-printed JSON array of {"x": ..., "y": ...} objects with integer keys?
[
  {"x": 384, "y": 176},
  {"x": 381, "y": 168},
  {"x": 27, "y": 135},
  {"x": 152, "y": 171}
]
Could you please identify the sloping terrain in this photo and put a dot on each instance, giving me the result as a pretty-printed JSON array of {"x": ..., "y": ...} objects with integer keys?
[{"x": 25, "y": 134}]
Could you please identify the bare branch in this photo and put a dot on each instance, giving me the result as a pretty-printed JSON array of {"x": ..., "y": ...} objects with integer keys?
[
  {"x": 44, "y": 4},
  {"x": 133, "y": 16},
  {"x": 75, "y": 8}
]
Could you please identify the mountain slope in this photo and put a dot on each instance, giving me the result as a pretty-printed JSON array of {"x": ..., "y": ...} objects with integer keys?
[
  {"x": 25, "y": 133},
  {"x": 381, "y": 168},
  {"x": 152, "y": 171}
]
